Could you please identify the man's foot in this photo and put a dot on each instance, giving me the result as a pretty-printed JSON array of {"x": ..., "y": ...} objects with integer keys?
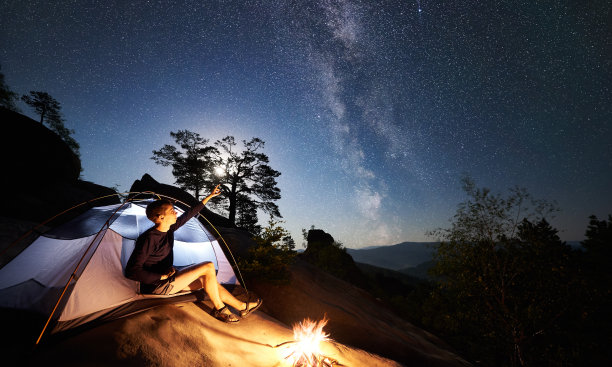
[
  {"x": 250, "y": 307},
  {"x": 225, "y": 315}
]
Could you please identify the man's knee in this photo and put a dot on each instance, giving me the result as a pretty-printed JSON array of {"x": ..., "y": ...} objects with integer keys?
[{"x": 207, "y": 267}]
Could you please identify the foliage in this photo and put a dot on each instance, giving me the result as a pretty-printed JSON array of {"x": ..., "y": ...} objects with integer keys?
[
  {"x": 271, "y": 257},
  {"x": 49, "y": 110},
  {"x": 246, "y": 177},
  {"x": 43, "y": 104},
  {"x": 506, "y": 283},
  {"x": 191, "y": 163},
  {"x": 599, "y": 238},
  {"x": 247, "y": 181},
  {"x": 246, "y": 214},
  {"x": 595, "y": 325},
  {"x": 7, "y": 96}
]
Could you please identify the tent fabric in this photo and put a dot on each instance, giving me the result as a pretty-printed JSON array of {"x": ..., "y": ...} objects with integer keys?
[{"x": 95, "y": 247}]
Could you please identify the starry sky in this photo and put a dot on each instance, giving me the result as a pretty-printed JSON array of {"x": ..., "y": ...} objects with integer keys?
[{"x": 371, "y": 110}]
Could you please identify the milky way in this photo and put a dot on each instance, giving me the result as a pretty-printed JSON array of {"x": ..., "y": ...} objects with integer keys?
[{"x": 372, "y": 110}]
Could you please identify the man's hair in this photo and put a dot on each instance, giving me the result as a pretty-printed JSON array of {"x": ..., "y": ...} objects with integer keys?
[{"x": 156, "y": 208}]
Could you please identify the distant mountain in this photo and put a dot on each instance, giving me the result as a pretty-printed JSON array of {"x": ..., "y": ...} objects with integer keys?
[
  {"x": 396, "y": 257},
  {"x": 410, "y": 258}
]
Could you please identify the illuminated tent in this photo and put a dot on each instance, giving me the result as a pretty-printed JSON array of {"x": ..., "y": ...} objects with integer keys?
[{"x": 74, "y": 273}]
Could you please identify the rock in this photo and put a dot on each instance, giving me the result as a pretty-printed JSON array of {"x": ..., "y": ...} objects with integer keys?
[
  {"x": 323, "y": 252},
  {"x": 34, "y": 155},
  {"x": 43, "y": 173},
  {"x": 319, "y": 237}
]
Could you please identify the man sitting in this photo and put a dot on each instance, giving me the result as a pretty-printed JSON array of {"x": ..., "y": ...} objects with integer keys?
[{"x": 152, "y": 259}]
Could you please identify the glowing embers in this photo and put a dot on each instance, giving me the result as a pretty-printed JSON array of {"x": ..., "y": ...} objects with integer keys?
[{"x": 305, "y": 349}]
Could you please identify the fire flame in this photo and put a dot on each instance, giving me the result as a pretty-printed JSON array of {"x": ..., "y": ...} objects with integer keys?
[{"x": 304, "y": 350}]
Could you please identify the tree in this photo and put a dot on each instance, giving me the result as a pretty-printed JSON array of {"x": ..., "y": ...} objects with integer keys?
[
  {"x": 246, "y": 178},
  {"x": 43, "y": 104},
  {"x": 247, "y": 181},
  {"x": 192, "y": 164},
  {"x": 599, "y": 238},
  {"x": 597, "y": 325},
  {"x": 505, "y": 282},
  {"x": 7, "y": 96},
  {"x": 246, "y": 214},
  {"x": 49, "y": 110}
]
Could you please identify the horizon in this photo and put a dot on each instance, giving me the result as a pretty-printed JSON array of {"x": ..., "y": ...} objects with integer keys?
[{"x": 371, "y": 112}]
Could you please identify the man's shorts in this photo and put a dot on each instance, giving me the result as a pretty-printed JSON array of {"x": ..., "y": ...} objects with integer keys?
[{"x": 161, "y": 287}]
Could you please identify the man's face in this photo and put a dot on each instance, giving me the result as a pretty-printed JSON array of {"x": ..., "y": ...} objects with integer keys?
[{"x": 168, "y": 215}]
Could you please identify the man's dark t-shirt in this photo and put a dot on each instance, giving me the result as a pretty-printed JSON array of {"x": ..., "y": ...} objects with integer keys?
[{"x": 152, "y": 256}]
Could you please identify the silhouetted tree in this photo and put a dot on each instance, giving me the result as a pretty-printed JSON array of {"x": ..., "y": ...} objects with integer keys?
[
  {"x": 43, "y": 104},
  {"x": 7, "y": 96},
  {"x": 245, "y": 176},
  {"x": 505, "y": 280},
  {"x": 247, "y": 181},
  {"x": 599, "y": 238},
  {"x": 49, "y": 110},
  {"x": 246, "y": 215},
  {"x": 596, "y": 325},
  {"x": 191, "y": 164}
]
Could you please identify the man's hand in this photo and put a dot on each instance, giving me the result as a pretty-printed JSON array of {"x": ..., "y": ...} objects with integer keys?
[
  {"x": 216, "y": 191},
  {"x": 170, "y": 273}
]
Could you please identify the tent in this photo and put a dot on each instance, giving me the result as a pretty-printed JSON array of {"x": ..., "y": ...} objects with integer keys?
[{"x": 74, "y": 273}]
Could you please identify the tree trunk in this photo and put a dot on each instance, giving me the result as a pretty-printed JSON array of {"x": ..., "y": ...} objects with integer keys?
[{"x": 232, "y": 205}]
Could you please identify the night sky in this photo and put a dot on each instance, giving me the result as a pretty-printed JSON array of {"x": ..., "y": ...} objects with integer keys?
[{"x": 371, "y": 110}]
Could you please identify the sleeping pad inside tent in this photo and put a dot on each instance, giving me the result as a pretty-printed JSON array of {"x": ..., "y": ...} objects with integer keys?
[{"x": 95, "y": 247}]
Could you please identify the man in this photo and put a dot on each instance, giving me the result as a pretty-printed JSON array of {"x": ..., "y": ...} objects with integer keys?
[{"x": 152, "y": 259}]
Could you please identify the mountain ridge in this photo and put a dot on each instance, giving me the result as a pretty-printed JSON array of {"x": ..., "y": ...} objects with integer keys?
[{"x": 395, "y": 257}]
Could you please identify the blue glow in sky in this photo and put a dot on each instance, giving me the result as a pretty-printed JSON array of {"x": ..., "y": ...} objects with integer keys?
[{"x": 371, "y": 110}]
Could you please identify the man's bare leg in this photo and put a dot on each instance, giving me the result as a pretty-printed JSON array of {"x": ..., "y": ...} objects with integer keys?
[{"x": 204, "y": 276}]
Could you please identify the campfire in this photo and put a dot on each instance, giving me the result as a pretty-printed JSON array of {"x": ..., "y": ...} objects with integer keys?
[{"x": 304, "y": 350}]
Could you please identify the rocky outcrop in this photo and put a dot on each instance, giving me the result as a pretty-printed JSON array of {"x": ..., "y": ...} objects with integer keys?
[
  {"x": 41, "y": 173},
  {"x": 34, "y": 155},
  {"x": 326, "y": 254}
]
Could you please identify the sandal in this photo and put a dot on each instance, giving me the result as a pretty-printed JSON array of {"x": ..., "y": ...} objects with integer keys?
[
  {"x": 247, "y": 311},
  {"x": 225, "y": 315}
]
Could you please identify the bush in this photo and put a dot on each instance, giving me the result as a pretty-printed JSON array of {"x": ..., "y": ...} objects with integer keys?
[{"x": 270, "y": 259}]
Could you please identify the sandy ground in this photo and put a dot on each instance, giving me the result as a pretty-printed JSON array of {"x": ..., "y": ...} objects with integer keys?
[{"x": 186, "y": 335}]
